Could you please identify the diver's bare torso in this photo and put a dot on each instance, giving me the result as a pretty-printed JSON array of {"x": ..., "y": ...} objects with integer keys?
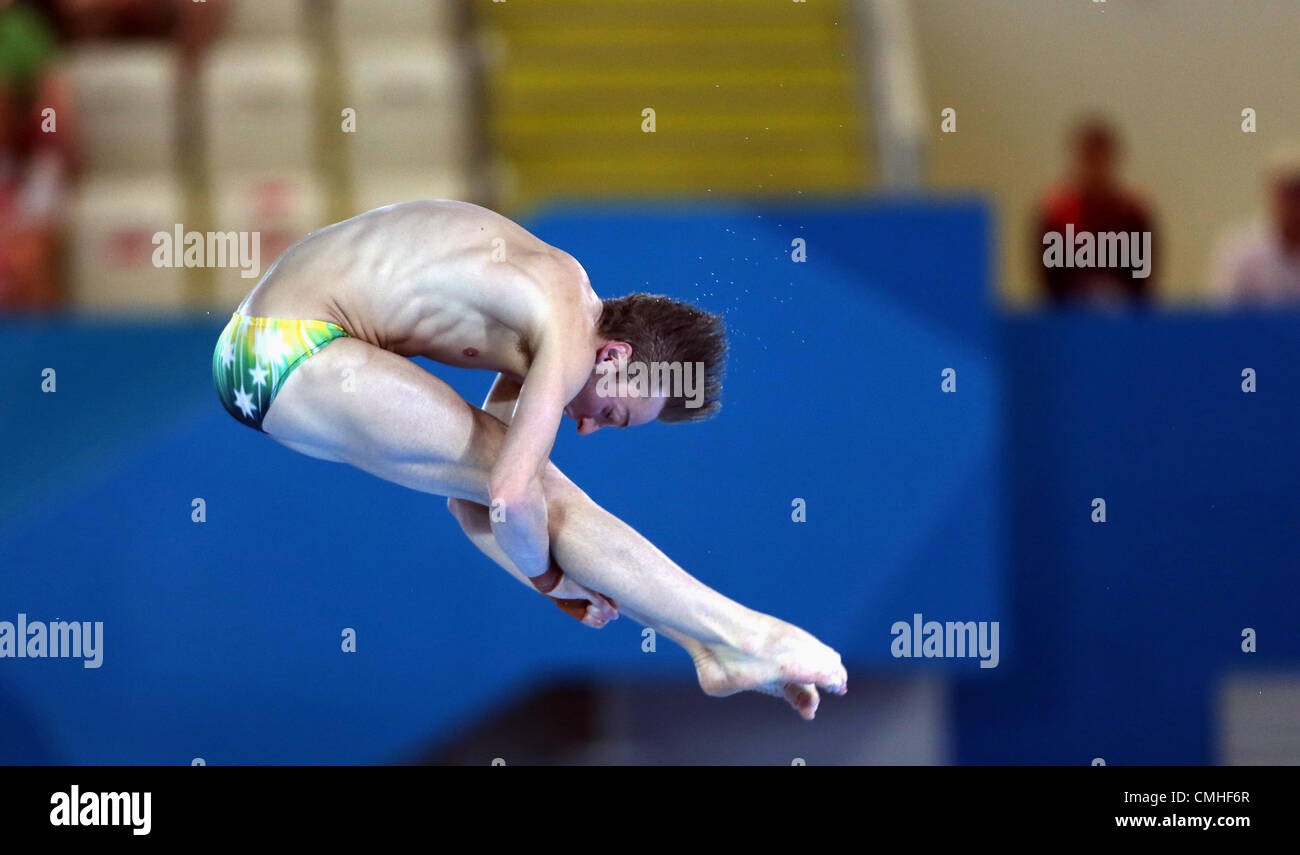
[{"x": 447, "y": 280}]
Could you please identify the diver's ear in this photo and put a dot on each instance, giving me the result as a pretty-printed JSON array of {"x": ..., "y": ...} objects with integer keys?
[{"x": 614, "y": 350}]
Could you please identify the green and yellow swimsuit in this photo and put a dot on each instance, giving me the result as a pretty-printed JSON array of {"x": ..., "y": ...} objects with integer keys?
[{"x": 255, "y": 355}]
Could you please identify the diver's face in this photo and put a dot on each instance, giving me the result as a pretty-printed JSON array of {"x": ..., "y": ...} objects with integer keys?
[{"x": 600, "y": 403}]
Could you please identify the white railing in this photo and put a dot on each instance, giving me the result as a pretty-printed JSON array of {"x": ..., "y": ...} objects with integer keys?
[{"x": 893, "y": 65}]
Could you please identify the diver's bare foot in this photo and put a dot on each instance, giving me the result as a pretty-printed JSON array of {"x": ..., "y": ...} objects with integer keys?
[
  {"x": 724, "y": 671},
  {"x": 800, "y": 657}
]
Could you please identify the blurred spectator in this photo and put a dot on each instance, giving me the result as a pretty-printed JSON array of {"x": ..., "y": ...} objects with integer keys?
[
  {"x": 38, "y": 122},
  {"x": 1260, "y": 263},
  {"x": 191, "y": 24},
  {"x": 1093, "y": 200},
  {"x": 34, "y": 157}
]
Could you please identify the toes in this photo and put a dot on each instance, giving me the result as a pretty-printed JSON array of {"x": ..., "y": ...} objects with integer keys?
[
  {"x": 804, "y": 699},
  {"x": 835, "y": 680},
  {"x": 836, "y": 685}
]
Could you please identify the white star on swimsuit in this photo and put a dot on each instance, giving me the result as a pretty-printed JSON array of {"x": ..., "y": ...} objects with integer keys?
[
  {"x": 227, "y": 353},
  {"x": 270, "y": 345},
  {"x": 244, "y": 401},
  {"x": 259, "y": 375}
]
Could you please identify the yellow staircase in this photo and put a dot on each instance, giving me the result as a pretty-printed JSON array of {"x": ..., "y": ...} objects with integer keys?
[{"x": 750, "y": 97}]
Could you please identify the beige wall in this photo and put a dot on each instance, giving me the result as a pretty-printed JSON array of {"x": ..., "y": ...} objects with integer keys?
[{"x": 1175, "y": 74}]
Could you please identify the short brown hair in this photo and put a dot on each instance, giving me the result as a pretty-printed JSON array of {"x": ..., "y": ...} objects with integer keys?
[{"x": 663, "y": 330}]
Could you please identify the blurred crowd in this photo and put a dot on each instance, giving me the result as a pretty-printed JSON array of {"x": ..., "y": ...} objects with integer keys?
[
  {"x": 121, "y": 120},
  {"x": 40, "y": 152},
  {"x": 1254, "y": 263},
  {"x": 97, "y": 97}
]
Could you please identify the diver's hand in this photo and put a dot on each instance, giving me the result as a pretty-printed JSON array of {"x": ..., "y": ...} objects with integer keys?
[{"x": 583, "y": 604}]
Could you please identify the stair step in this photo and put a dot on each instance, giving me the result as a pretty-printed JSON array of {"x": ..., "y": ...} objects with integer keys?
[
  {"x": 624, "y": 79},
  {"x": 523, "y": 14},
  {"x": 679, "y": 122},
  {"x": 667, "y": 46},
  {"x": 639, "y": 145},
  {"x": 665, "y": 173},
  {"x": 665, "y": 100}
]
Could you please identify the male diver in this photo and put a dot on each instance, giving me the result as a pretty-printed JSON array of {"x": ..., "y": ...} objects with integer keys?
[{"x": 316, "y": 356}]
